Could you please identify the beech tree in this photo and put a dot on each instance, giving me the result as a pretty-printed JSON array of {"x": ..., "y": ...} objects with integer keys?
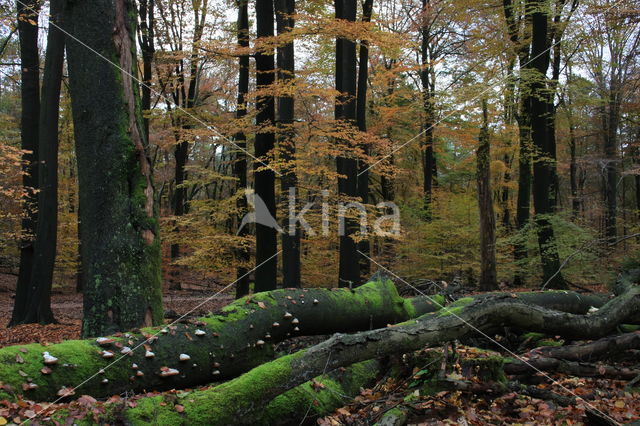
[
  {"x": 118, "y": 215},
  {"x": 285, "y": 20},
  {"x": 488, "y": 277},
  {"x": 27, "y": 17},
  {"x": 39, "y": 307},
  {"x": 264, "y": 176},
  {"x": 347, "y": 167},
  {"x": 240, "y": 163}
]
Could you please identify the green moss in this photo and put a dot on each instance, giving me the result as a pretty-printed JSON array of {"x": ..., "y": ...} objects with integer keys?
[
  {"x": 221, "y": 404},
  {"x": 533, "y": 336},
  {"x": 456, "y": 307},
  {"x": 550, "y": 342},
  {"x": 76, "y": 359},
  {"x": 410, "y": 309},
  {"x": 394, "y": 417},
  {"x": 628, "y": 328}
]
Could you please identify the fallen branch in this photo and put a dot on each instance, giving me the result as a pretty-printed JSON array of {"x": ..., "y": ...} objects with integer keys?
[
  {"x": 592, "y": 351},
  {"x": 572, "y": 368}
]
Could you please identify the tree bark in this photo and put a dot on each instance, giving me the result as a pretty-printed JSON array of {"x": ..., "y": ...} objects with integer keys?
[
  {"x": 266, "y": 237},
  {"x": 118, "y": 214},
  {"x": 428, "y": 89},
  {"x": 147, "y": 46},
  {"x": 241, "y": 400},
  {"x": 544, "y": 168},
  {"x": 361, "y": 120},
  {"x": 39, "y": 309},
  {"x": 488, "y": 277},
  {"x": 519, "y": 38},
  {"x": 240, "y": 163},
  {"x": 347, "y": 167},
  {"x": 286, "y": 73},
  {"x": 27, "y": 16},
  {"x": 593, "y": 351}
]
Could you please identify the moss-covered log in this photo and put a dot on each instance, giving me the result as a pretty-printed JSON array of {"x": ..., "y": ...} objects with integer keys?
[
  {"x": 217, "y": 347},
  {"x": 213, "y": 348},
  {"x": 240, "y": 401}
]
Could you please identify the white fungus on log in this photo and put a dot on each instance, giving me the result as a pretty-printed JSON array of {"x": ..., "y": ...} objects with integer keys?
[
  {"x": 49, "y": 359},
  {"x": 168, "y": 372}
]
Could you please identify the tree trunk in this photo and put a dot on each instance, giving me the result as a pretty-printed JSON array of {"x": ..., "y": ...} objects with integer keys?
[
  {"x": 488, "y": 278},
  {"x": 118, "y": 215},
  {"x": 573, "y": 168},
  {"x": 266, "y": 237},
  {"x": 347, "y": 167},
  {"x": 611, "y": 121},
  {"x": 544, "y": 168},
  {"x": 241, "y": 400},
  {"x": 27, "y": 16},
  {"x": 235, "y": 341},
  {"x": 428, "y": 87},
  {"x": 286, "y": 73},
  {"x": 146, "y": 40},
  {"x": 361, "y": 119},
  {"x": 240, "y": 164},
  {"x": 39, "y": 309},
  {"x": 523, "y": 203}
]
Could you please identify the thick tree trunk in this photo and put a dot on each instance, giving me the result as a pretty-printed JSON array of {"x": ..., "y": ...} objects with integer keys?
[
  {"x": 361, "y": 119},
  {"x": 488, "y": 277},
  {"x": 118, "y": 215},
  {"x": 240, "y": 163},
  {"x": 286, "y": 73},
  {"x": 28, "y": 12},
  {"x": 544, "y": 168},
  {"x": 266, "y": 237},
  {"x": 523, "y": 202},
  {"x": 39, "y": 309},
  {"x": 240, "y": 401},
  {"x": 347, "y": 167}
]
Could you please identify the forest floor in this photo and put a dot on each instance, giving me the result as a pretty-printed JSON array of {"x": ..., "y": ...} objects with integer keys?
[{"x": 408, "y": 391}]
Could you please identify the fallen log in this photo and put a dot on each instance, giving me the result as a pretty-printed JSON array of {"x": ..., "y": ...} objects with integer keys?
[
  {"x": 239, "y": 401},
  {"x": 209, "y": 349},
  {"x": 572, "y": 368},
  {"x": 592, "y": 351},
  {"x": 214, "y": 348}
]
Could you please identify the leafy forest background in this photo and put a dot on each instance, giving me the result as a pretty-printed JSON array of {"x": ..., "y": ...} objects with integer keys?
[{"x": 428, "y": 68}]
